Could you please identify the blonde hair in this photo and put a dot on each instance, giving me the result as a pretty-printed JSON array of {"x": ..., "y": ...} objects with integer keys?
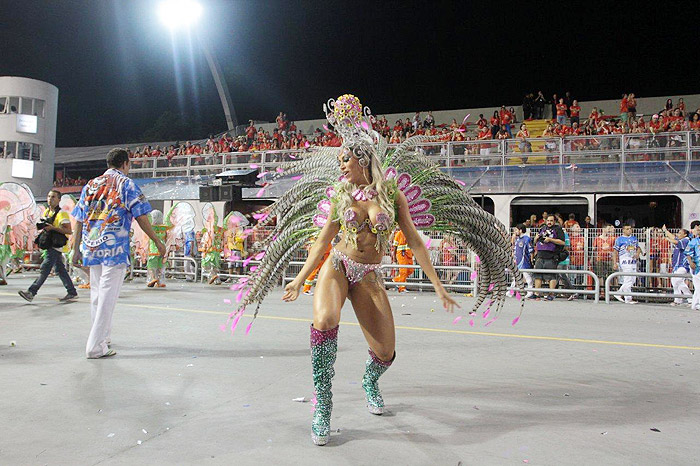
[{"x": 385, "y": 189}]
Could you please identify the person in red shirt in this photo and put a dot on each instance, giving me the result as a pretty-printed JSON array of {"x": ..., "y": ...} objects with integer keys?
[
  {"x": 594, "y": 116},
  {"x": 481, "y": 122},
  {"x": 623, "y": 108},
  {"x": 631, "y": 106},
  {"x": 602, "y": 252},
  {"x": 250, "y": 132},
  {"x": 575, "y": 110},
  {"x": 524, "y": 145},
  {"x": 561, "y": 112},
  {"x": 398, "y": 126}
]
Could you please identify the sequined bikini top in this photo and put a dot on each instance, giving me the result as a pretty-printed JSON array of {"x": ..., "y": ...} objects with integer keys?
[{"x": 352, "y": 227}]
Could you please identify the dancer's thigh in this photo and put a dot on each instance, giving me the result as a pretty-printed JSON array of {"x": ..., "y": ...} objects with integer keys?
[
  {"x": 373, "y": 311},
  {"x": 330, "y": 295}
]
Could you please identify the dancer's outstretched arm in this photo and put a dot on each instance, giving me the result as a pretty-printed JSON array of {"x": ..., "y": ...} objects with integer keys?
[
  {"x": 420, "y": 252},
  {"x": 328, "y": 232}
]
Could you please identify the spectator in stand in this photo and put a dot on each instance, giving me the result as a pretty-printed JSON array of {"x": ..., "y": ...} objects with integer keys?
[
  {"x": 568, "y": 101},
  {"x": 681, "y": 106},
  {"x": 416, "y": 121},
  {"x": 571, "y": 221},
  {"x": 553, "y": 103},
  {"x": 631, "y": 106},
  {"x": 524, "y": 145},
  {"x": 495, "y": 124},
  {"x": 561, "y": 110},
  {"x": 692, "y": 252},
  {"x": 625, "y": 255},
  {"x": 514, "y": 118},
  {"x": 623, "y": 108},
  {"x": 533, "y": 221},
  {"x": 522, "y": 251},
  {"x": 502, "y": 133},
  {"x": 481, "y": 122},
  {"x": 679, "y": 263},
  {"x": 564, "y": 260},
  {"x": 548, "y": 242},
  {"x": 587, "y": 222},
  {"x": 575, "y": 111},
  {"x": 528, "y": 106},
  {"x": 669, "y": 105},
  {"x": 540, "y": 103},
  {"x": 506, "y": 117},
  {"x": 429, "y": 120}
]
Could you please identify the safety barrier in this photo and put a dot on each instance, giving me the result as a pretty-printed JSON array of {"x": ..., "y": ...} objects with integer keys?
[
  {"x": 609, "y": 293},
  {"x": 585, "y": 291},
  {"x": 139, "y": 270}
]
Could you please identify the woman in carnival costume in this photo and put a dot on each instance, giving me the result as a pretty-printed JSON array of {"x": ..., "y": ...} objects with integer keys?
[
  {"x": 361, "y": 192},
  {"x": 156, "y": 263}
]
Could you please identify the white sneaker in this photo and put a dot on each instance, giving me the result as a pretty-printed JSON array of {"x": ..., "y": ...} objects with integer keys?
[
  {"x": 631, "y": 302},
  {"x": 619, "y": 298}
]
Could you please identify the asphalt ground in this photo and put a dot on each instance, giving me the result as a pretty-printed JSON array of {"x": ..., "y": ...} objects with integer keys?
[{"x": 571, "y": 383}]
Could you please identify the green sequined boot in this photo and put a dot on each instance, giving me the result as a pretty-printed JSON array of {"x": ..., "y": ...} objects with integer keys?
[
  {"x": 324, "y": 346},
  {"x": 375, "y": 367}
]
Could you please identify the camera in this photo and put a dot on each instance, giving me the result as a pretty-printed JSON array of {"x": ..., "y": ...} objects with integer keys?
[
  {"x": 42, "y": 223},
  {"x": 547, "y": 233}
]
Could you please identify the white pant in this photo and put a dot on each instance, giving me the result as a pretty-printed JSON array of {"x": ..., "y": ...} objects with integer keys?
[
  {"x": 627, "y": 281},
  {"x": 105, "y": 283},
  {"x": 679, "y": 285},
  {"x": 695, "y": 304}
]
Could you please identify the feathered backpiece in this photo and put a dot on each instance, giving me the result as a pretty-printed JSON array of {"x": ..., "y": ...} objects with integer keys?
[{"x": 437, "y": 202}]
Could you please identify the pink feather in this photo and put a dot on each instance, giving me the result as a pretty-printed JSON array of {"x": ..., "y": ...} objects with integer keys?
[
  {"x": 515, "y": 321},
  {"x": 490, "y": 322},
  {"x": 259, "y": 255},
  {"x": 235, "y": 322},
  {"x": 518, "y": 296},
  {"x": 297, "y": 177},
  {"x": 491, "y": 286},
  {"x": 227, "y": 301},
  {"x": 460, "y": 182},
  {"x": 472, "y": 276},
  {"x": 427, "y": 243},
  {"x": 260, "y": 193},
  {"x": 247, "y": 329},
  {"x": 471, "y": 323},
  {"x": 457, "y": 319},
  {"x": 239, "y": 296},
  {"x": 253, "y": 165}
]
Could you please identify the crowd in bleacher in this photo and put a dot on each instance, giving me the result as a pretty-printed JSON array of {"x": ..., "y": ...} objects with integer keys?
[{"x": 566, "y": 120}]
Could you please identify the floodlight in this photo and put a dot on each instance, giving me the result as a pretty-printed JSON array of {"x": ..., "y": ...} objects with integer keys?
[{"x": 179, "y": 13}]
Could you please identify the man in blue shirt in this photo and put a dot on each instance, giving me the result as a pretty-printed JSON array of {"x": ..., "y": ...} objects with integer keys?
[
  {"x": 625, "y": 255},
  {"x": 692, "y": 252},
  {"x": 104, "y": 212},
  {"x": 522, "y": 250},
  {"x": 679, "y": 263}
]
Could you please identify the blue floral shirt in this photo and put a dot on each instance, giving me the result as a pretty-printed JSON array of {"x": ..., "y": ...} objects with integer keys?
[{"x": 106, "y": 208}]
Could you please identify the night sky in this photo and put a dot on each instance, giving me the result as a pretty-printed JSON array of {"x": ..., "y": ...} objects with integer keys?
[{"x": 118, "y": 69}]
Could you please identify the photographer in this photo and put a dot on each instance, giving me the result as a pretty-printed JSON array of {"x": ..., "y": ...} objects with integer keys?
[
  {"x": 55, "y": 228},
  {"x": 548, "y": 242}
]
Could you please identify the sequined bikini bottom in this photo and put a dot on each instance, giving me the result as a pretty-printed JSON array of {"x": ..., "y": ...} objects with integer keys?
[{"x": 354, "y": 271}]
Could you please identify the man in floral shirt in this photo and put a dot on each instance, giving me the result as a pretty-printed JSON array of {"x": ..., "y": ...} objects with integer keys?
[{"x": 104, "y": 213}]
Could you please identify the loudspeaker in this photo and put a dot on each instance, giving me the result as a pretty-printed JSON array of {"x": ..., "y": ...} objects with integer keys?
[
  {"x": 230, "y": 192},
  {"x": 226, "y": 192},
  {"x": 208, "y": 193}
]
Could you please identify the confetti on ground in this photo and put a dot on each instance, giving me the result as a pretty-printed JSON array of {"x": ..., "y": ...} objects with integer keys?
[
  {"x": 13, "y": 343},
  {"x": 604, "y": 433},
  {"x": 457, "y": 319},
  {"x": 167, "y": 403},
  {"x": 227, "y": 301},
  {"x": 190, "y": 365},
  {"x": 144, "y": 431},
  {"x": 655, "y": 429},
  {"x": 300, "y": 400},
  {"x": 110, "y": 435},
  {"x": 139, "y": 442},
  {"x": 471, "y": 323}
]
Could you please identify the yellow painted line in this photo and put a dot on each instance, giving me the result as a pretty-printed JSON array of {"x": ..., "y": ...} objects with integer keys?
[
  {"x": 439, "y": 330},
  {"x": 426, "y": 329}
]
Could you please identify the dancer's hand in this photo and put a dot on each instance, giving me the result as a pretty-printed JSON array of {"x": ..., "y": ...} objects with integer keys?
[
  {"x": 447, "y": 302},
  {"x": 77, "y": 259},
  {"x": 291, "y": 291}
]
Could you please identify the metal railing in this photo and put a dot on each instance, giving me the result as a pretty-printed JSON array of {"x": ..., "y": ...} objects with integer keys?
[
  {"x": 609, "y": 292},
  {"x": 595, "y": 291},
  {"x": 614, "y": 148}
]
